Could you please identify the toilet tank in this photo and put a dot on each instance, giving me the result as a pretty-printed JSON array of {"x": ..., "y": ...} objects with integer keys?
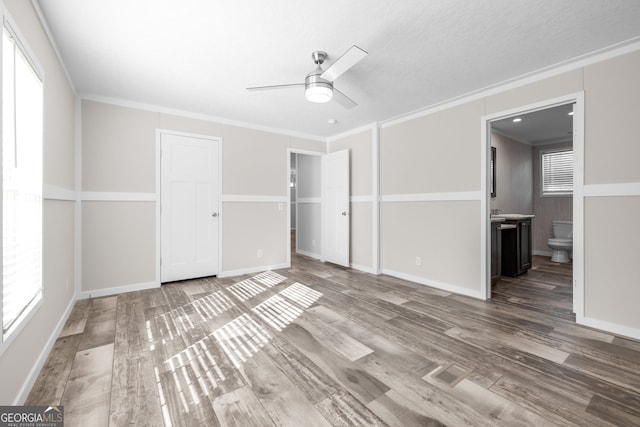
[{"x": 562, "y": 229}]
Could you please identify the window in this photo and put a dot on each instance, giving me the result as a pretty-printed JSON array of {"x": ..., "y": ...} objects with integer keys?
[
  {"x": 557, "y": 172},
  {"x": 22, "y": 105}
]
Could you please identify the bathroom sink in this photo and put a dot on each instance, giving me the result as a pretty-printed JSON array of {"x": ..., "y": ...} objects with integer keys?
[{"x": 512, "y": 216}]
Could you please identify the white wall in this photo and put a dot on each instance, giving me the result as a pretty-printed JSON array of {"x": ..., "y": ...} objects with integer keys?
[{"x": 21, "y": 360}]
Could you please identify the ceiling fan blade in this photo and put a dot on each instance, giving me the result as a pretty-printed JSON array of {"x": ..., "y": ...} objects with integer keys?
[
  {"x": 348, "y": 59},
  {"x": 343, "y": 99},
  {"x": 292, "y": 85}
]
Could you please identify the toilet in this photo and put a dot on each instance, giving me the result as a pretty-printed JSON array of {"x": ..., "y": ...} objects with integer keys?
[{"x": 562, "y": 241}]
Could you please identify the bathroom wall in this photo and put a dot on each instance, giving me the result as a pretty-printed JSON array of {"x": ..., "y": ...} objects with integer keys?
[
  {"x": 547, "y": 208},
  {"x": 518, "y": 178},
  {"x": 514, "y": 175}
]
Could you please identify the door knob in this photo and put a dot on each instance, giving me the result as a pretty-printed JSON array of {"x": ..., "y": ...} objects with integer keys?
[{"x": 215, "y": 214}]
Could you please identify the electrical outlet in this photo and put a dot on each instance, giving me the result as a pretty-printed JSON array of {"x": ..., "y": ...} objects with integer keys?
[
  {"x": 313, "y": 243},
  {"x": 418, "y": 260},
  {"x": 259, "y": 253}
]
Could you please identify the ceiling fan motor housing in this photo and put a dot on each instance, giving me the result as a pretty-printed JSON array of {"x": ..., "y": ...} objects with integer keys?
[
  {"x": 316, "y": 88},
  {"x": 314, "y": 79}
]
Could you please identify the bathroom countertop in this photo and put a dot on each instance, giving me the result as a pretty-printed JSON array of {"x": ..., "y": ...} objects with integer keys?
[{"x": 513, "y": 217}]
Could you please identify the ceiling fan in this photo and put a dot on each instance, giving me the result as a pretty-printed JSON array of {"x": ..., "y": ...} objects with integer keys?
[{"x": 318, "y": 85}]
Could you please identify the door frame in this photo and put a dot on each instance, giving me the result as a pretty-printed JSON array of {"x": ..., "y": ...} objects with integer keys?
[
  {"x": 308, "y": 153},
  {"x": 159, "y": 133},
  {"x": 578, "y": 192}
]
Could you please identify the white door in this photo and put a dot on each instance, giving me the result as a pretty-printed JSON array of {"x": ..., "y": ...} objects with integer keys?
[
  {"x": 335, "y": 207},
  {"x": 189, "y": 206}
]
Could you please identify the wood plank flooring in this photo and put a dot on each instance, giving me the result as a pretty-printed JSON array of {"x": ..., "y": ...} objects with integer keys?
[{"x": 320, "y": 345}]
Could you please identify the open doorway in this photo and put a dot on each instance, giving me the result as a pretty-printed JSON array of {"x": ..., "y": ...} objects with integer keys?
[
  {"x": 305, "y": 202},
  {"x": 531, "y": 208},
  {"x": 518, "y": 194}
]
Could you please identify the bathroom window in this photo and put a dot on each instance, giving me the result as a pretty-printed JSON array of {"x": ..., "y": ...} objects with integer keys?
[
  {"x": 22, "y": 139},
  {"x": 557, "y": 172}
]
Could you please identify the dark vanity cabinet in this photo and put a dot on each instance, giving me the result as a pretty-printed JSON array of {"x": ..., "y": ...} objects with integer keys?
[
  {"x": 496, "y": 252},
  {"x": 516, "y": 247}
]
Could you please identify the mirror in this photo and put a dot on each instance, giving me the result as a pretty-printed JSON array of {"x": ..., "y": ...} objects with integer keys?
[{"x": 492, "y": 169}]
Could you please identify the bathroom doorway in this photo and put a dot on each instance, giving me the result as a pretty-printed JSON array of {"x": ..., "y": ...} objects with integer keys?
[
  {"x": 535, "y": 177},
  {"x": 522, "y": 140}
]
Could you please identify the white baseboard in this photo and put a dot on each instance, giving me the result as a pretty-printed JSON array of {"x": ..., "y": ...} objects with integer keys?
[
  {"x": 309, "y": 254},
  {"x": 42, "y": 358},
  {"x": 118, "y": 290},
  {"x": 250, "y": 270},
  {"x": 614, "y": 328},
  {"x": 435, "y": 284},
  {"x": 364, "y": 268}
]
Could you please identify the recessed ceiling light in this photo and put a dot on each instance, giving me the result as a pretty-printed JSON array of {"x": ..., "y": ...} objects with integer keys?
[
  {"x": 517, "y": 119},
  {"x": 332, "y": 121},
  {"x": 571, "y": 113}
]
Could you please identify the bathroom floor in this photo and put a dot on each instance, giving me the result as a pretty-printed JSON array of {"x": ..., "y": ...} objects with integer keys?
[{"x": 546, "y": 288}]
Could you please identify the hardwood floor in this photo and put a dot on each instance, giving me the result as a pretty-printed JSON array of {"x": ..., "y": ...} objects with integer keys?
[{"x": 321, "y": 345}]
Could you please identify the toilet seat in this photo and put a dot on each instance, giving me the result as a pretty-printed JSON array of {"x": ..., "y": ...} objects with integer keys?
[{"x": 560, "y": 241}]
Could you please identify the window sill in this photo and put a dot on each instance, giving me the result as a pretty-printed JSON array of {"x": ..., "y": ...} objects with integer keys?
[{"x": 14, "y": 331}]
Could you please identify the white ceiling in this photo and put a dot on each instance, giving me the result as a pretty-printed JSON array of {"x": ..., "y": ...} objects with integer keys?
[
  {"x": 199, "y": 56},
  {"x": 548, "y": 126}
]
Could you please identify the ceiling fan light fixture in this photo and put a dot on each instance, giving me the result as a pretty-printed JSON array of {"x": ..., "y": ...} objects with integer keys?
[
  {"x": 317, "y": 89},
  {"x": 318, "y": 93}
]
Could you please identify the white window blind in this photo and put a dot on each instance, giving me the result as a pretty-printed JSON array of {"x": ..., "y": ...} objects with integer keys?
[
  {"x": 22, "y": 106},
  {"x": 557, "y": 172}
]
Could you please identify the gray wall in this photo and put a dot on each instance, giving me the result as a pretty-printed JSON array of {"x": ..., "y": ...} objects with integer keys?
[{"x": 308, "y": 204}]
